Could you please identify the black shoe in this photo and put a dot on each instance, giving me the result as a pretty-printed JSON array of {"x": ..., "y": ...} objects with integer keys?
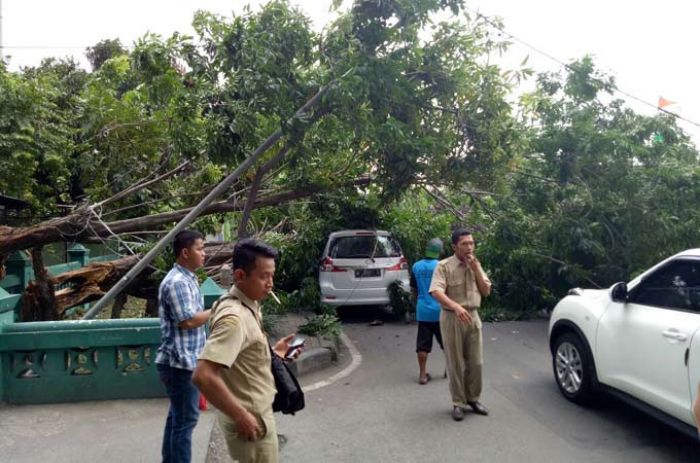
[
  {"x": 457, "y": 413},
  {"x": 478, "y": 408}
]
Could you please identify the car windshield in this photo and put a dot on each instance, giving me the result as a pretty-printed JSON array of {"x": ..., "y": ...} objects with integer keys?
[{"x": 349, "y": 247}]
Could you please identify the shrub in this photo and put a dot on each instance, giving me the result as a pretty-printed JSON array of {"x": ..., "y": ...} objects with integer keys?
[
  {"x": 324, "y": 325},
  {"x": 400, "y": 300}
]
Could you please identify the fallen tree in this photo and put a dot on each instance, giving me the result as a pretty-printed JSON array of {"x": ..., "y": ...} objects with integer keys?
[
  {"x": 84, "y": 224},
  {"x": 91, "y": 282}
]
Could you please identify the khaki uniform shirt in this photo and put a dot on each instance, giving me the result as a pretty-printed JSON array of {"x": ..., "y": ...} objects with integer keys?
[
  {"x": 458, "y": 282},
  {"x": 237, "y": 342}
]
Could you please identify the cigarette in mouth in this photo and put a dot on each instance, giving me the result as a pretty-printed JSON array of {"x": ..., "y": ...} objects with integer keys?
[{"x": 277, "y": 299}]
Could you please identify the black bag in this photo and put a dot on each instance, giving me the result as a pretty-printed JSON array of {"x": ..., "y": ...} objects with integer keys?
[{"x": 289, "y": 398}]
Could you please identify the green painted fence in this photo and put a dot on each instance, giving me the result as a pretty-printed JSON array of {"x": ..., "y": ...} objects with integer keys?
[
  {"x": 69, "y": 361},
  {"x": 80, "y": 360}
]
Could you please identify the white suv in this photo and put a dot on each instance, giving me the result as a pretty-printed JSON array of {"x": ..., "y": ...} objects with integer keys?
[
  {"x": 358, "y": 265},
  {"x": 639, "y": 341}
]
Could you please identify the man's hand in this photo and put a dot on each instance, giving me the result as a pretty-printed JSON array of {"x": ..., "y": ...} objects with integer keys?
[
  {"x": 199, "y": 319},
  {"x": 248, "y": 427},
  {"x": 483, "y": 285},
  {"x": 282, "y": 346},
  {"x": 207, "y": 378},
  {"x": 473, "y": 262},
  {"x": 462, "y": 314}
]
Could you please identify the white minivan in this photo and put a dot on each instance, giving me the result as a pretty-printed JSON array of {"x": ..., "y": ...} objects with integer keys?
[{"x": 358, "y": 265}]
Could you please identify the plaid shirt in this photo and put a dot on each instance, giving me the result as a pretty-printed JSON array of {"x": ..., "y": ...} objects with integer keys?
[{"x": 179, "y": 299}]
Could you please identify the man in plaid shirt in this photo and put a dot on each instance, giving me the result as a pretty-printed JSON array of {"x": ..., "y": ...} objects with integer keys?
[{"x": 182, "y": 319}]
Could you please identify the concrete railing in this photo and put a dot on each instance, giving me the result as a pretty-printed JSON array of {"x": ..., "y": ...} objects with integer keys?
[
  {"x": 71, "y": 361},
  {"x": 68, "y": 361}
]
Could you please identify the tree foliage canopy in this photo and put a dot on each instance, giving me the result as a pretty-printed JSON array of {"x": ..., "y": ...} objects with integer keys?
[
  {"x": 566, "y": 187},
  {"x": 598, "y": 198}
]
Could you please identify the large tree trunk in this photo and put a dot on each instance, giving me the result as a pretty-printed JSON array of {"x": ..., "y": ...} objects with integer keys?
[
  {"x": 118, "y": 305},
  {"x": 39, "y": 302},
  {"x": 3, "y": 270},
  {"x": 50, "y": 231},
  {"x": 152, "y": 307}
]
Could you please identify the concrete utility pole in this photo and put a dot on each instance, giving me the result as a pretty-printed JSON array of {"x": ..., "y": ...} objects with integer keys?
[{"x": 197, "y": 210}]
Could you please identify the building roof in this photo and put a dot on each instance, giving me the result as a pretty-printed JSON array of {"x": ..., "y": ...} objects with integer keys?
[{"x": 13, "y": 203}]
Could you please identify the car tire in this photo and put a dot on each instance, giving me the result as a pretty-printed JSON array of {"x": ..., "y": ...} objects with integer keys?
[{"x": 573, "y": 368}]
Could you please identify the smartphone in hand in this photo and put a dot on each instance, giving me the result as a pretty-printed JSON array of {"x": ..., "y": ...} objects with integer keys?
[{"x": 294, "y": 346}]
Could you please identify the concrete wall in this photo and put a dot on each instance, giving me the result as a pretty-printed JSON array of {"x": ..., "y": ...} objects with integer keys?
[{"x": 70, "y": 361}]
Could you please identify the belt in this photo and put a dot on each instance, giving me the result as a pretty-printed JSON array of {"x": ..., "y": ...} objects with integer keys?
[{"x": 470, "y": 309}]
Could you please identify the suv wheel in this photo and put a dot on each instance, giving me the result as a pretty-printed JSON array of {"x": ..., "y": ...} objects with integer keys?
[{"x": 573, "y": 368}]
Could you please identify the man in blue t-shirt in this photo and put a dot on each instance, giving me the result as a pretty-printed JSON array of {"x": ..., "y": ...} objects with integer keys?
[{"x": 427, "y": 308}]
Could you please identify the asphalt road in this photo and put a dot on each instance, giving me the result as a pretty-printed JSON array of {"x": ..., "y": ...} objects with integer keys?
[{"x": 379, "y": 413}]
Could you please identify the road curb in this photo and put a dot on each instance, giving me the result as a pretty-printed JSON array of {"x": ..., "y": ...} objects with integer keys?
[
  {"x": 313, "y": 359},
  {"x": 354, "y": 364}
]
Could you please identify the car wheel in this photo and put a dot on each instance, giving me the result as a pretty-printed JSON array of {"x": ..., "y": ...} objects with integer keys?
[{"x": 573, "y": 368}]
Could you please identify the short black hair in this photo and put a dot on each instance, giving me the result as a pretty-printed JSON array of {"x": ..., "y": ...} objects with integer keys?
[
  {"x": 185, "y": 239},
  {"x": 246, "y": 251},
  {"x": 458, "y": 233}
]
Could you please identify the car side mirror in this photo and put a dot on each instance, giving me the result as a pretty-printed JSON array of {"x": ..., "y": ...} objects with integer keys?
[{"x": 618, "y": 292}]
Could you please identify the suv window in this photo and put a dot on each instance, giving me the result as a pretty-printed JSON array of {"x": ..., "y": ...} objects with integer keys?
[
  {"x": 351, "y": 247},
  {"x": 676, "y": 285}
]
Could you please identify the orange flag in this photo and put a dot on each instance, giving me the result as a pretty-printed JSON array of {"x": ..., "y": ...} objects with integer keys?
[{"x": 663, "y": 102}]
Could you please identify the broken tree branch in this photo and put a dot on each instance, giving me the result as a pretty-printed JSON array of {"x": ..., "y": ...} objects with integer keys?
[
  {"x": 141, "y": 185},
  {"x": 255, "y": 187}
]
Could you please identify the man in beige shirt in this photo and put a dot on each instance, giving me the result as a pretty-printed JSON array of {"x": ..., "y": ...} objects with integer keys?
[
  {"x": 233, "y": 370},
  {"x": 458, "y": 284}
]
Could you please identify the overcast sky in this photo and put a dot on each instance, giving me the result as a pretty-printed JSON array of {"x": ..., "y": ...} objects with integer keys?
[{"x": 647, "y": 45}]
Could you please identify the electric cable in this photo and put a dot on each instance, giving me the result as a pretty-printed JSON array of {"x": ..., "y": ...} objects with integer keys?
[{"x": 572, "y": 68}]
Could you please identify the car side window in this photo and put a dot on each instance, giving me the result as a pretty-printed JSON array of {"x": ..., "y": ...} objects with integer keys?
[{"x": 675, "y": 285}]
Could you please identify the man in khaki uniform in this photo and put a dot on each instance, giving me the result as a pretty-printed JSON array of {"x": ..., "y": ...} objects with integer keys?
[
  {"x": 233, "y": 370},
  {"x": 458, "y": 284}
]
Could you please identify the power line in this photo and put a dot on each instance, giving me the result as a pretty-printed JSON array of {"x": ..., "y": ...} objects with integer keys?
[
  {"x": 572, "y": 68},
  {"x": 42, "y": 47},
  {"x": 53, "y": 47}
]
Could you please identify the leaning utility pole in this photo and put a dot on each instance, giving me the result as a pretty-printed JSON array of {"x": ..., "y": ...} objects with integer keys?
[{"x": 198, "y": 209}]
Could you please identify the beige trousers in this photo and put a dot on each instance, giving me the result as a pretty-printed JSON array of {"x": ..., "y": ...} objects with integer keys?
[
  {"x": 263, "y": 450},
  {"x": 463, "y": 353}
]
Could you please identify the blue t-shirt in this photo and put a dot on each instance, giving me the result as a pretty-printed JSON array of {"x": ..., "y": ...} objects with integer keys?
[{"x": 427, "y": 308}]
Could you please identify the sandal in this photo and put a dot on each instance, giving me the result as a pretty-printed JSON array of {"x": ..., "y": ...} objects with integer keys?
[{"x": 424, "y": 380}]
